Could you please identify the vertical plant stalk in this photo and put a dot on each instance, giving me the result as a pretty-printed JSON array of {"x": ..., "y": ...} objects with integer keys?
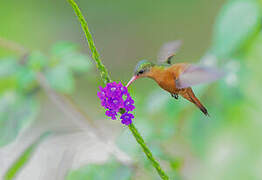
[
  {"x": 147, "y": 151},
  {"x": 106, "y": 79},
  {"x": 103, "y": 71}
]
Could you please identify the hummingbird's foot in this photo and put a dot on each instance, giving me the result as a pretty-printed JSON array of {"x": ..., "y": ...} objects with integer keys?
[{"x": 174, "y": 96}]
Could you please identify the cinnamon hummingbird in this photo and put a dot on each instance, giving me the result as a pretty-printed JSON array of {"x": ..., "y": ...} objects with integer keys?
[{"x": 178, "y": 78}]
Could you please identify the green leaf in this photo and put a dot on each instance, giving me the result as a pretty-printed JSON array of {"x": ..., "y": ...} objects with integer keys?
[
  {"x": 236, "y": 24},
  {"x": 8, "y": 66},
  {"x": 77, "y": 62},
  {"x": 63, "y": 48},
  {"x": 16, "y": 113},
  {"x": 8, "y": 84},
  {"x": 67, "y": 54},
  {"x": 109, "y": 171},
  {"x": 24, "y": 158},
  {"x": 8, "y": 70},
  {"x": 61, "y": 79},
  {"x": 37, "y": 61},
  {"x": 26, "y": 79}
]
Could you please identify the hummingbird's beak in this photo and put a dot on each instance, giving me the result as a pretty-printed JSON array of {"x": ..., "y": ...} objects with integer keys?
[{"x": 132, "y": 80}]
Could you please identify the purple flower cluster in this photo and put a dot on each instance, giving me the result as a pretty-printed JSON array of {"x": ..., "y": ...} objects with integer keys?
[{"x": 116, "y": 99}]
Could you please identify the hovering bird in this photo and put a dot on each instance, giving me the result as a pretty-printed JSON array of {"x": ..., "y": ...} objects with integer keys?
[{"x": 178, "y": 78}]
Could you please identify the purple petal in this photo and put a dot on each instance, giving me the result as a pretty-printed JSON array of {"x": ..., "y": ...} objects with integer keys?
[
  {"x": 113, "y": 90},
  {"x": 128, "y": 104},
  {"x": 126, "y": 118},
  {"x": 126, "y": 122},
  {"x": 114, "y": 103},
  {"x": 111, "y": 113},
  {"x": 123, "y": 89}
]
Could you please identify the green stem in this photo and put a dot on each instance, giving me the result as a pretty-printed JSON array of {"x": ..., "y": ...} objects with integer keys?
[
  {"x": 24, "y": 158},
  {"x": 147, "y": 151},
  {"x": 106, "y": 78},
  {"x": 103, "y": 71}
]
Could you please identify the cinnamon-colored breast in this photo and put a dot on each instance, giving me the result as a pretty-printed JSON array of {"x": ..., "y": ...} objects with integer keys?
[{"x": 166, "y": 76}]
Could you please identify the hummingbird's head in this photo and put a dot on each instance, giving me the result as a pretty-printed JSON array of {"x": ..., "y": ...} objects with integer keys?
[{"x": 142, "y": 69}]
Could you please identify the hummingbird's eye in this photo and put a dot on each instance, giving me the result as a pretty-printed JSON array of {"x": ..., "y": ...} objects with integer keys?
[{"x": 141, "y": 72}]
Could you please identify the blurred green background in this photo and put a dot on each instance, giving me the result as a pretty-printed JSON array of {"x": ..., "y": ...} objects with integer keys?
[{"x": 51, "y": 122}]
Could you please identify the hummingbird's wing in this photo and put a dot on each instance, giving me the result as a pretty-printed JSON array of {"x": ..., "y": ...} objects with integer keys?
[
  {"x": 197, "y": 74},
  {"x": 168, "y": 50}
]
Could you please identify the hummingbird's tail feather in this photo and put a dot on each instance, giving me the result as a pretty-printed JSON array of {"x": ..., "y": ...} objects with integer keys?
[{"x": 189, "y": 95}]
